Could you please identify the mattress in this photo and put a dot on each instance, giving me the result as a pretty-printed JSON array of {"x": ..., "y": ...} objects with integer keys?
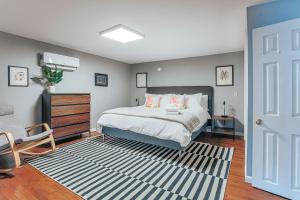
[{"x": 159, "y": 128}]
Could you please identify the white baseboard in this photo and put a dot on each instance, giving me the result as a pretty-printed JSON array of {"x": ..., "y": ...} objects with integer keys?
[
  {"x": 248, "y": 179},
  {"x": 93, "y": 129}
]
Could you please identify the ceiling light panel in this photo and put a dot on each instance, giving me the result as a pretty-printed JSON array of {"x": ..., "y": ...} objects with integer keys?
[{"x": 122, "y": 34}]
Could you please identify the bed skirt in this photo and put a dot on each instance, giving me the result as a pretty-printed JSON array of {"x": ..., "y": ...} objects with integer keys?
[{"x": 130, "y": 135}]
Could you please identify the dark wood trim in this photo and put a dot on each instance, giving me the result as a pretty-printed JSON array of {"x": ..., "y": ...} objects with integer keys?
[
  {"x": 146, "y": 79},
  {"x": 232, "y": 74},
  {"x": 9, "y": 82}
]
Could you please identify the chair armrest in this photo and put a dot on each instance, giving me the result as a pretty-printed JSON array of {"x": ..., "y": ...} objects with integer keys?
[
  {"x": 15, "y": 153},
  {"x": 10, "y": 138},
  {"x": 31, "y": 128}
]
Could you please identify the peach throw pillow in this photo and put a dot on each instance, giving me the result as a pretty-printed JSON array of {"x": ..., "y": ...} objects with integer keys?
[{"x": 152, "y": 101}]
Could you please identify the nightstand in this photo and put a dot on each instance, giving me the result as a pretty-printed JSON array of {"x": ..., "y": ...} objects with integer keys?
[{"x": 225, "y": 131}]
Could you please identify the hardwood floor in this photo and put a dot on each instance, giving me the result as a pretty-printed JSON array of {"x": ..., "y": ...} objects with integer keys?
[
  {"x": 28, "y": 183},
  {"x": 236, "y": 186}
]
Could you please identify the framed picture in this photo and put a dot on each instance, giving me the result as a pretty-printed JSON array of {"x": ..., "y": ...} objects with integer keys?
[
  {"x": 101, "y": 79},
  {"x": 224, "y": 75},
  {"x": 18, "y": 76},
  {"x": 141, "y": 80}
]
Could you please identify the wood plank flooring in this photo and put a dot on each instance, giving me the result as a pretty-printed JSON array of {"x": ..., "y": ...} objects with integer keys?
[{"x": 28, "y": 183}]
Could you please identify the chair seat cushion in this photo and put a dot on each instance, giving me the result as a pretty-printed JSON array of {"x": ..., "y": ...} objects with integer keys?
[
  {"x": 36, "y": 137},
  {"x": 4, "y": 147},
  {"x": 7, "y": 161}
]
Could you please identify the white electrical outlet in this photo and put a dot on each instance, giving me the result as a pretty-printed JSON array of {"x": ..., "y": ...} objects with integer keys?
[{"x": 235, "y": 93}]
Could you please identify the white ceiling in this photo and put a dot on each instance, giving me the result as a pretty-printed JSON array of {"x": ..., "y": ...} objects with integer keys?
[{"x": 172, "y": 28}]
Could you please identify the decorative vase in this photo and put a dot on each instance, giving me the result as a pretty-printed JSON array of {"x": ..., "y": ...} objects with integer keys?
[{"x": 51, "y": 88}]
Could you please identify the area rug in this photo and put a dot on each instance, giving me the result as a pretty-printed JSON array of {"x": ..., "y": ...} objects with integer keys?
[{"x": 124, "y": 169}]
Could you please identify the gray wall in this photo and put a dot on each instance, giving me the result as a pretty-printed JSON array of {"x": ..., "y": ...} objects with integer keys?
[
  {"x": 196, "y": 71},
  {"x": 23, "y": 52},
  {"x": 122, "y": 90}
]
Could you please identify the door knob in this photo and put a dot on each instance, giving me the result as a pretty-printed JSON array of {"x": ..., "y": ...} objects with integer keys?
[{"x": 259, "y": 122}]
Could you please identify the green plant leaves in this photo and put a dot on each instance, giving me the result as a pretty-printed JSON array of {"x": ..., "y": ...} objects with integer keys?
[{"x": 53, "y": 76}]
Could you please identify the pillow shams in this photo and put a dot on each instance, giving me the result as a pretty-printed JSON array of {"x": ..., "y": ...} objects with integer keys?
[
  {"x": 204, "y": 102},
  {"x": 193, "y": 100}
]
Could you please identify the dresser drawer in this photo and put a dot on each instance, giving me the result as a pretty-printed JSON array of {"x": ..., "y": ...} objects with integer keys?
[
  {"x": 69, "y": 120},
  {"x": 69, "y": 110},
  {"x": 69, "y": 130},
  {"x": 57, "y": 100}
]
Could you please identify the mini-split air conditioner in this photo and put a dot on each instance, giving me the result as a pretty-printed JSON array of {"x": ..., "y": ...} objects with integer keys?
[{"x": 61, "y": 62}]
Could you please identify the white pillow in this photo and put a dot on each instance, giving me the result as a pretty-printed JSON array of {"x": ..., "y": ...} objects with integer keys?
[
  {"x": 165, "y": 100},
  {"x": 204, "y": 102},
  {"x": 193, "y": 100}
]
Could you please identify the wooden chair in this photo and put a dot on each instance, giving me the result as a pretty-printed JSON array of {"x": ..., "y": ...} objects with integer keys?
[{"x": 12, "y": 148}]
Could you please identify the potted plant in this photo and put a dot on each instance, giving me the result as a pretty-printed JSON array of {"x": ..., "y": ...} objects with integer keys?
[{"x": 53, "y": 77}]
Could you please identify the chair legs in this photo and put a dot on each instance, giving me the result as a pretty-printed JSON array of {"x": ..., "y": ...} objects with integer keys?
[
  {"x": 5, "y": 171},
  {"x": 23, "y": 148},
  {"x": 180, "y": 154},
  {"x": 17, "y": 158},
  {"x": 52, "y": 143},
  {"x": 44, "y": 141}
]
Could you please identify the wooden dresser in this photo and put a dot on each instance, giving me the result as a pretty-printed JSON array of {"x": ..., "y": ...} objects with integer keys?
[{"x": 67, "y": 114}]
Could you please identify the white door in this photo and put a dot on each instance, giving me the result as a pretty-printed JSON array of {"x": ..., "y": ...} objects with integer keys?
[{"x": 276, "y": 108}]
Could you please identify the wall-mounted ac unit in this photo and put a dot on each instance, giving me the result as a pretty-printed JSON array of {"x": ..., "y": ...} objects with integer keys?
[{"x": 61, "y": 62}]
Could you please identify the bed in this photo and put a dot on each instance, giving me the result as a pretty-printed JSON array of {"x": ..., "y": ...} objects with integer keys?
[{"x": 121, "y": 125}]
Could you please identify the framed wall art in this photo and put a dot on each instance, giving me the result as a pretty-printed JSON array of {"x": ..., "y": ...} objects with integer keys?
[
  {"x": 18, "y": 76},
  {"x": 101, "y": 80},
  {"x": 141, "y": 80},
  {"x": 224, "y": 75}
]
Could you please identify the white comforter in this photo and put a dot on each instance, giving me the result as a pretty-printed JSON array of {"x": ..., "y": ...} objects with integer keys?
[{"x": 159, "y": 128}]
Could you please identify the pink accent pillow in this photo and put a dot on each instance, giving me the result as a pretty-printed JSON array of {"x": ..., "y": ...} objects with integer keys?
[
  {"x": 152, "y": 101},
  {"x": 178, "y": 100}
]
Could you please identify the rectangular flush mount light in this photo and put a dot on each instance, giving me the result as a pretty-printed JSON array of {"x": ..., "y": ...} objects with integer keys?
[{"x": 121, "y": 34}]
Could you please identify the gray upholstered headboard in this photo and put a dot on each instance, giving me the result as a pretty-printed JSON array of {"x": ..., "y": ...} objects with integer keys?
[{"x": 205, "y": 90}]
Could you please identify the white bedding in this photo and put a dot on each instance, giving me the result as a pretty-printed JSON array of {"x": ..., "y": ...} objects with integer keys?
[{"x": 158, "y": 128}]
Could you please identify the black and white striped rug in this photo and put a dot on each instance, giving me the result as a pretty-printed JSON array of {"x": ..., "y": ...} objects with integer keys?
[{"x": 123, "y": 169}]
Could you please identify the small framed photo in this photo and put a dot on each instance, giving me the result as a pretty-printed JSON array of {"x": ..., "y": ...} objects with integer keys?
[
  {"x": 101, "y": 80},
  {"x": 18, "y": 76},
  {"x": 224, "y": 75},
  {"x": 141, "y": 80}
]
